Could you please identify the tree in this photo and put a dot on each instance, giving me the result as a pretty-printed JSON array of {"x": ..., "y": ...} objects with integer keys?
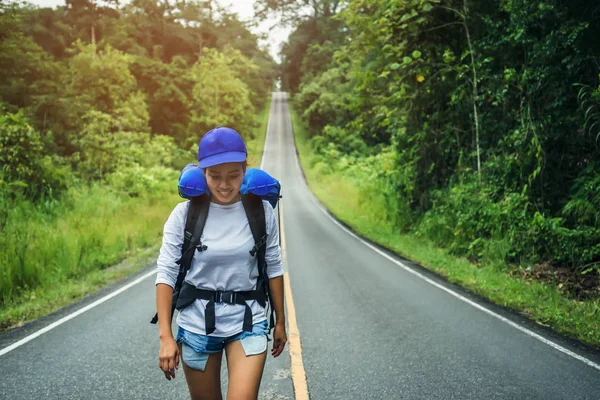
[
  {"x": 27, "y": 70},
  {"x": 27, "y": 168},
  {"x": 219, "y": 96},
  {"x": 294, "y": 11}
]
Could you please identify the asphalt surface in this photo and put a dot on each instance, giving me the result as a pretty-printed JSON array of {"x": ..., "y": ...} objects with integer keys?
[{"x": 368, "y": 328}]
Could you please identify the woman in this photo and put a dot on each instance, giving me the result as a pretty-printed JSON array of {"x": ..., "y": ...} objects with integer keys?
[{"x": 225, "y": 264}]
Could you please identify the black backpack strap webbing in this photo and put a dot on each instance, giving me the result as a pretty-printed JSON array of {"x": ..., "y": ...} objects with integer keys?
[
  {"x": 194, "y": 226},
  {"x": 190, "y": 293},
  {"x": 255, "y": 212}
]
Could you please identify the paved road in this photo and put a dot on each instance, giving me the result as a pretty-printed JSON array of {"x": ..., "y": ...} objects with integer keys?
[{"x": 369, "y": 329}]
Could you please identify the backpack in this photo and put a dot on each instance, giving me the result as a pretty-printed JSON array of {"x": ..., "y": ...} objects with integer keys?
[{"x": 257, "y": 185}]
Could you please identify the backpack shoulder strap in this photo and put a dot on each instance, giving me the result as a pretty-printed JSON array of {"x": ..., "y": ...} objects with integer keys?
[
  {"x": 256, "y": 218},
  {"x": 255, "y": 212},
  {"x": 194, "y": 226}
]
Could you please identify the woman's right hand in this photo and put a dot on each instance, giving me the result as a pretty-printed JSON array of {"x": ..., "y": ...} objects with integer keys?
[{"x": 168, "y": 357}]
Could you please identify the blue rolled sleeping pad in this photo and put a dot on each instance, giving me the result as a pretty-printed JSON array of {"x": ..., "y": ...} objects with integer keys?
[{"x": 192, "y": 183}]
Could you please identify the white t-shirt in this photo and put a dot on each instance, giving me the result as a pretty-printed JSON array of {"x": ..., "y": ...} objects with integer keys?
[{"x": 226, "y": 264}]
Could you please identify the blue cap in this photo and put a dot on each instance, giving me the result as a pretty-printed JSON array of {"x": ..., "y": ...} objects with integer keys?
[{"x": 219, "y": 146}]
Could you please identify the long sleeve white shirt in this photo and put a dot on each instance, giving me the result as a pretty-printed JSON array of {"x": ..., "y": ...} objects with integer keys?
[{"x": 226, "y": 264}]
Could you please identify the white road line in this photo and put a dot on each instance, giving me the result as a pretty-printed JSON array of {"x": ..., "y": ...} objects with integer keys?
[
  {"x": 73, "y": 315},
  {"x": 449, "y": 291},
  {"x": 109, "y": 296}
]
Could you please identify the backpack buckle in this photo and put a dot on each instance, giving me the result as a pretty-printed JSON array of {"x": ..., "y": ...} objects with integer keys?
[
  {"x": 228, "y": 297},
  {"x": 257, "y": 246},
  {"x": 201, "y": 247}
]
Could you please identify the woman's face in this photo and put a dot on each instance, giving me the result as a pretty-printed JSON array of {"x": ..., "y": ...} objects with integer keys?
[{"x": 224, "y": 181}]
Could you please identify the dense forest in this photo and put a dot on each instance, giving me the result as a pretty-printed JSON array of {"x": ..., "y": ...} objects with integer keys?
[
  {"x": 100, "y": 107},
  {"x": 475, "y": 125}
]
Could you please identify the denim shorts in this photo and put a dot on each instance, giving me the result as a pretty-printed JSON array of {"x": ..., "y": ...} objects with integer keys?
[{"x": 196, "y": 348}]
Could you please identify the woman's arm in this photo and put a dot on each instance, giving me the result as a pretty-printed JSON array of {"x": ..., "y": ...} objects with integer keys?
[
  {"x": 274, "y": 261},
  {"x": 168, "y": 355},
  {"x": 275, "y": 273},
  {"x": 279, "y": 334},
  {"x": 166, "y": 277},
  {"x": 168, "y": 269},
  {"x": 164, "y": 300},
  {"x": 276, "y": 290}
]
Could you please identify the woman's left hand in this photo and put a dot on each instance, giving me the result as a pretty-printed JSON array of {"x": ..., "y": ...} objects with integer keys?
[{"x": 279, "y": 339}]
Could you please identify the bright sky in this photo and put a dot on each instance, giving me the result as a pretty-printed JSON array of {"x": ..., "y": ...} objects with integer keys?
[{"x": 245, "y": 11}]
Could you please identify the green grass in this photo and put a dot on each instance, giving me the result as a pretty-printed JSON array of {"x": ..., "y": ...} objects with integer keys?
[
  {"x": 57, "y": 253},
  {"x": 44, "y": 300},
  {"x": 539, "y": 301}
]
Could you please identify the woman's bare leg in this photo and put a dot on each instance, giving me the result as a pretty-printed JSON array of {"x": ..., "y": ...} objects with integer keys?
[
  {"x": 204, "y": 385},
  {"x": 245, "y": 372}
]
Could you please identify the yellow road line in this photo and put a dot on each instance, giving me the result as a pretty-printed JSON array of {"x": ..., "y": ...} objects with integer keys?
[{"x": 298, "y": 373}]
